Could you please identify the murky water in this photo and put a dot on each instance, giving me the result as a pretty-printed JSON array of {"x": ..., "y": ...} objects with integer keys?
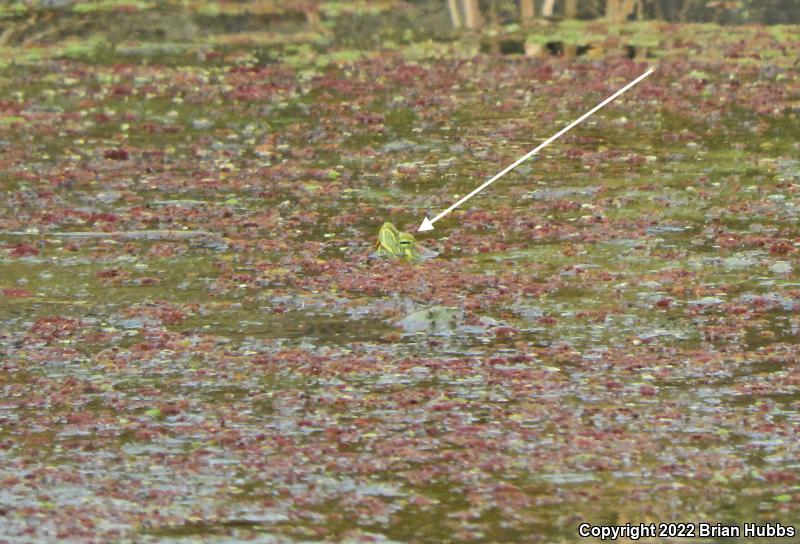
[{"x": 195, "y": 347}]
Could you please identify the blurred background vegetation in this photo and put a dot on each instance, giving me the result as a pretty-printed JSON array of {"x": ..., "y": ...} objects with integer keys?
[
  {"x": 311, "y": 34},
  {"x": 37, "y": 22},
  {"x": 678, "y": 11}
]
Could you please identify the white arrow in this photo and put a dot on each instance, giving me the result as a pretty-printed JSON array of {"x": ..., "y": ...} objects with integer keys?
[{"x": 427, "y": 224}]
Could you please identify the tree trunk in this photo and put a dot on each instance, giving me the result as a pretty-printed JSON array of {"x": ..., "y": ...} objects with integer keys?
[
  {"x": 472, "y": 14},
  {"x": 638, "y": 5},
  {"x": 547, "y": 8},
  {"x": 527, "y": 10},
  {"x": 618, "y": 11},
  {"x": 455, "y": 16},
  {"x": 571, "y": 9},
  {"x": 612, "y": 8}
]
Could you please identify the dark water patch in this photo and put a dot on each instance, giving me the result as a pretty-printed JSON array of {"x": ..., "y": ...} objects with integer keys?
[{"x": 293, "y": 326}]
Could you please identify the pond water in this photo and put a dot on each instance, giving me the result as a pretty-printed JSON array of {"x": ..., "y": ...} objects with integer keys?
[{"x": 195, "y": 346}]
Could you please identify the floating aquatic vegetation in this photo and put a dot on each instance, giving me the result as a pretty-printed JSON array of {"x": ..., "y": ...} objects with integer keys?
[{"x": 187, "y": 310}]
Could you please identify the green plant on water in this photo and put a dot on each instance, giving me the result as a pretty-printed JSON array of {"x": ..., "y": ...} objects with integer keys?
[
  {"x": 110, "y": 5},
  {"x": 14, "y": 9},
  {"x": 337, "y": 8},
  {"x": 77, "y": 48},
  {"x": 11, "y": 119},
  {"x": 784, "y": 33}
]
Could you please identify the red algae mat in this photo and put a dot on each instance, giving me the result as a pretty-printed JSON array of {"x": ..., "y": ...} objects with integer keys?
[{"x": 196, "y": 347}]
